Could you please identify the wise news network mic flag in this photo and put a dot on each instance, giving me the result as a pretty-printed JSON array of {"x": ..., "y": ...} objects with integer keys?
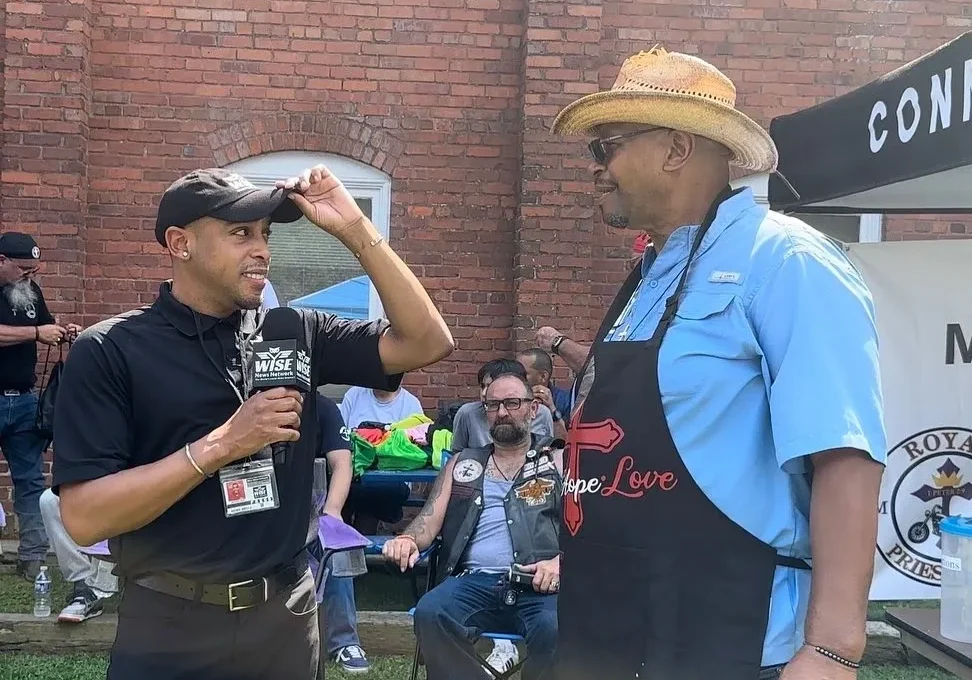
[{"x": 281, "y": 359}]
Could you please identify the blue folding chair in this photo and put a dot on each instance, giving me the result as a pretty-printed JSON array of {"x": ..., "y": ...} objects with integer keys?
[
  {"x": 99, "y": 550},
  {"x": 497, "y": 675},
  {"x": 426, "y": 559},
  {"x": 333, "y": 536}
]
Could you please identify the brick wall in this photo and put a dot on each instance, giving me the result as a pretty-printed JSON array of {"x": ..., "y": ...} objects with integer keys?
[{"x": 106, "y": 102}]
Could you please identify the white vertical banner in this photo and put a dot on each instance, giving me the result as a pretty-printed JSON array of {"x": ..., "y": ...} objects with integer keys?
[{"x": 923, "y": 300}]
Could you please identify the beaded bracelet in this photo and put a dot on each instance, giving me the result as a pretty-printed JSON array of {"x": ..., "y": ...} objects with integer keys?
[{"x": 836, "y": 657}]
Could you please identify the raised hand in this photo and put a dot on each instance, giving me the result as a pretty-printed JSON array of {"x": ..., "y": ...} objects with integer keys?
[{"x": 323, "y": 200}]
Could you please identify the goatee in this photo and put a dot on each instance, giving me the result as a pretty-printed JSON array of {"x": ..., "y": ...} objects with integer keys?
[{"x": 507, "y": 432}]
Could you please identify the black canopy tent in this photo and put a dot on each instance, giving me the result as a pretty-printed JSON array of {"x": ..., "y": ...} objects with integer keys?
[{"x": 901, "y": 144}]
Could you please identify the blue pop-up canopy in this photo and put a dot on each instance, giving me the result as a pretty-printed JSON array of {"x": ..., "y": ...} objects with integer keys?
[{"x": 348, "y": 299}]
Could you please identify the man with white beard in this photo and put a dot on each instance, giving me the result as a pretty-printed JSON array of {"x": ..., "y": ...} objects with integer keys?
[{"x": 24, "y": 321}]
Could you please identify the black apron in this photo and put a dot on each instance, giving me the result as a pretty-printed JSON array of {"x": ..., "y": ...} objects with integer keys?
[{"x": 656, "y": 582}]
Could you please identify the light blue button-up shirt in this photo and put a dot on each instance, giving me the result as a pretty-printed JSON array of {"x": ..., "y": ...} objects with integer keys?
[{"x": 772, "y": 356}]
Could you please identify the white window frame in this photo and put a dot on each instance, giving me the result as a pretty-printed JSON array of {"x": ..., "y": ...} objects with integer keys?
[
  {"x": 871, "y": 227},
  {"x": 361, "y": 181}
]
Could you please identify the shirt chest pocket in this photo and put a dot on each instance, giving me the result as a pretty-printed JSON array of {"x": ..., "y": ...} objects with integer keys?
[{"x": 710, "y": 345}]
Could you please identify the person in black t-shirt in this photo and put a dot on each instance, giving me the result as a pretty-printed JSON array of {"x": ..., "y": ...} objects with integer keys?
[
  {"x": 161, "y": 446},
  {"x": 24, "y": 321}
]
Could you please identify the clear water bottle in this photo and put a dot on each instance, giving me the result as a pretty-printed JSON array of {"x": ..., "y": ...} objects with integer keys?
[{"x": 42, "y": 594}]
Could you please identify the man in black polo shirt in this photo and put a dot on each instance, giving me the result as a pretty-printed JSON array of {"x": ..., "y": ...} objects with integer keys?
[
  {"x": 24, "y": 321},
  {"x": 154, "y": 411}
]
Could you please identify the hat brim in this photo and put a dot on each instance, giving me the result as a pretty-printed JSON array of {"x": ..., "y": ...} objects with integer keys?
[
  {"x": 259, "y": 204},
  {"x": 751, "y": 146}
]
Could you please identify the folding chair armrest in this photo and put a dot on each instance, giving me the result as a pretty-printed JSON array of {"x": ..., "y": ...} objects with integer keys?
[
  {"x": 430, "y": 552},
  {"x": 378, "y": 543}
]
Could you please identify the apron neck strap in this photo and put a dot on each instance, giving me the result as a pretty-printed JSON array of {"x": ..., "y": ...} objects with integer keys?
[
  {"x": 671, "y": 304},
  {"x": 634, "y": 278},
  {"x": 620, "y": 300}
]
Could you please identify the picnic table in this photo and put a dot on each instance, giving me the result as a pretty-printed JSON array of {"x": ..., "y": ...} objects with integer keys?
[
  {"x": 920, "y": 632},
  {"x": 421, "y": 476}
]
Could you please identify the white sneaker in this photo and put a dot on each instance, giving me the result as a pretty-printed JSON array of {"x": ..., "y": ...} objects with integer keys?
[{"x": 503, "y": 657}]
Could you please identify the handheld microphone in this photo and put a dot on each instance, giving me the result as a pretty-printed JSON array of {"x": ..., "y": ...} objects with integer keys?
[{"x": 281, "y": 360}]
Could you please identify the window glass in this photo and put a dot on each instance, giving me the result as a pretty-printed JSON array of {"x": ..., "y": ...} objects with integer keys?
[
  {"x": 846, "y": 228},
  {"x": 305, "y": 259}
]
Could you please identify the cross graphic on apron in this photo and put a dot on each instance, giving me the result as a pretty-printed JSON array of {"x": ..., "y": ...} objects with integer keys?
[{"x": 601, "y": 436}]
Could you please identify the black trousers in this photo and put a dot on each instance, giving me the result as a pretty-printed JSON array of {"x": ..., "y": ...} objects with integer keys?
[{"x": 161, "y": 637}]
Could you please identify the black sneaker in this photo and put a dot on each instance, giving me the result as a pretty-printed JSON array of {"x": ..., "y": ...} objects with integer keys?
[
  {"x": 81, "y": 606},
  {"x": 29, "y": 569}
]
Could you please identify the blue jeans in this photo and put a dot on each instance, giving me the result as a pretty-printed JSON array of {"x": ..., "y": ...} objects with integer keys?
[
  {"x": 339, "y": 615},
  {"x": 450, "y": 616},
  {"x": 23, "y": 447}
]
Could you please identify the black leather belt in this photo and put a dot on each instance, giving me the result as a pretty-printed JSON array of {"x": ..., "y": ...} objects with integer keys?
[{"x": 235, "y": 596}]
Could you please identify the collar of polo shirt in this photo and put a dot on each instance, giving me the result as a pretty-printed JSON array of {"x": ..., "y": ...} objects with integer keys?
[{"x": 183, "y": 318}]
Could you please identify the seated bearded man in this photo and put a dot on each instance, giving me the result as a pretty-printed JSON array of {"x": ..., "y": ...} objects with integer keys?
[{"x": 494, "y": 507}]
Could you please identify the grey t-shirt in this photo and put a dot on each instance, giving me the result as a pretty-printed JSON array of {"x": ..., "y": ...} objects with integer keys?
[
  {"x": 470, "y": 429},
  {"x": 490, "y": 547}
]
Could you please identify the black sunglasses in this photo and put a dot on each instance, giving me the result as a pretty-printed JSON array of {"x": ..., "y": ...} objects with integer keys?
[{"x": 600, "y": 147}]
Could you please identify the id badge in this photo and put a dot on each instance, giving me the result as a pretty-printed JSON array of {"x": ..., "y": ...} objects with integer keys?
[{"x": 249, "y": 487}]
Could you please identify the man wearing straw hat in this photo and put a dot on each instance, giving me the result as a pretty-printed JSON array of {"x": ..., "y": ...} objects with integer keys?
[{"x": 737, "y": 365}]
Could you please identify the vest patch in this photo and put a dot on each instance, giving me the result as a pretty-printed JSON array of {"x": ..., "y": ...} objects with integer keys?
[
  {"x": 535, "y": 492},
  {"x": 467, "y": 470}
]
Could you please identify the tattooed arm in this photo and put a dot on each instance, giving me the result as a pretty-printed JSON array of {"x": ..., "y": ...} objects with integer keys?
[
  {"x": 427, "y": 525},
  {"x": 418, "y": 535}
]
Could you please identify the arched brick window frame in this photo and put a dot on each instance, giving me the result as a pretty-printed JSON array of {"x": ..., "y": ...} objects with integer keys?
[{"x": 307, "y": 132}]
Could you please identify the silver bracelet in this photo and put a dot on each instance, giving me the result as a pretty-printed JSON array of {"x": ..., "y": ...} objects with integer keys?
[{"x": 193, "y": 462}]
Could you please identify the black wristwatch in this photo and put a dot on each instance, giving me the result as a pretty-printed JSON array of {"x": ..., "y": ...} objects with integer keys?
[
  {"x": 557, "y": 415},
  {"x": 555, "y": 345}
]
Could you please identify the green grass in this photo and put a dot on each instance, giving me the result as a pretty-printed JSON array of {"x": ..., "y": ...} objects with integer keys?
[
  {"x": 17, "y": 594},
  {"x": 875, "y": 610},
  {"x": 30, "y": 667},
  {"x": 375, "y": 591},
  {"x": 90, "y": 667}
]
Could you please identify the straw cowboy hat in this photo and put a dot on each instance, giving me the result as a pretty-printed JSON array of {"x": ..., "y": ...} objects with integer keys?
[{"x": 677, "y": 91}]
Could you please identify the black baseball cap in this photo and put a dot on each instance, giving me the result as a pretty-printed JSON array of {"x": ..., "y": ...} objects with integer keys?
[
  {"x": 19, "y": 246},
  {"x": 222, "y": 194}
]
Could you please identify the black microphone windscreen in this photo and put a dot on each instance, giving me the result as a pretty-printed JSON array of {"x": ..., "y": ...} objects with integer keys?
[{"x": 283, "y": 323}]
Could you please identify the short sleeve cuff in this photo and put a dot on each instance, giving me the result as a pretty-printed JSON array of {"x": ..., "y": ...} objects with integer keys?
[
  {"x": 78, "y": 473},
  {"x": 792, "y": 457}
]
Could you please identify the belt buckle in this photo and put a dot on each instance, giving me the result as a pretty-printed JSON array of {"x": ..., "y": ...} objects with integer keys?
[
  {"x": 232, "y": 596},
  {"x": 11, "y": 393}
]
